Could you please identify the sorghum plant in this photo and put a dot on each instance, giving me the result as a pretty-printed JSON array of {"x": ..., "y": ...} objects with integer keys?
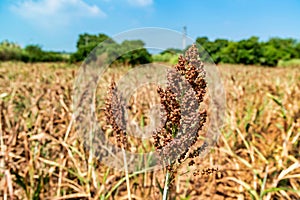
[
  {"x": 114, "y": 113},
  {"x": 178, "y": 138},
  {"x": 176, "y": 141}
]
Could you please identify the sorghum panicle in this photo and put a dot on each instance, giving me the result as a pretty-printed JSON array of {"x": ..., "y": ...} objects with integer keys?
[
  {"x": 115, "y": 115},
  {"x": 180, "y": 100}
]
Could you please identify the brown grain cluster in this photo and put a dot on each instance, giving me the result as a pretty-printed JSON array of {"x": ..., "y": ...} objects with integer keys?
[
  {"x": 115, "y": 115},
  {"x": 180, "y": 102}
]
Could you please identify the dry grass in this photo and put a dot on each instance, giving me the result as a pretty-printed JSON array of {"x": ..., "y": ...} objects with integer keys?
[{"x": 41, "y": 157}]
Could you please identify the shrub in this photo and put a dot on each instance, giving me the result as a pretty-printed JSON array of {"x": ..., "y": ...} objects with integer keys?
[
  {"x": 165, "y": 57},
  {"x": 10, "y": 51},
  {"x": 289, "y": 63}
]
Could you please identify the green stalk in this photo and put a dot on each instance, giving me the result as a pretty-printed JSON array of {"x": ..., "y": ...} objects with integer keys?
[
  {"x": 126, "y": 174},
  {"x": 166, "y": 187}
]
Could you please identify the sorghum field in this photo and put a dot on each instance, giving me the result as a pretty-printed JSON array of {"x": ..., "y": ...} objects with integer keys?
[{"x": 256, "y": 157}]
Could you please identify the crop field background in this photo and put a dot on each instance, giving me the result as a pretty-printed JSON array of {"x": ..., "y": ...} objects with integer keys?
[{"x": 41, "y": 157}]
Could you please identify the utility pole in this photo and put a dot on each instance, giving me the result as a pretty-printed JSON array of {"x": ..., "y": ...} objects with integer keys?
[{"x": 184, "y": 37}]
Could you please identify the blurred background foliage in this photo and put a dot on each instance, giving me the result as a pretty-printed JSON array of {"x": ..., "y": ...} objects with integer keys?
[
  {"x": 274, "y": 52},
  {"x": 10, "y": 51},
  {"x": 129, "y": 52},
  {"x": 251, "y": 51}
]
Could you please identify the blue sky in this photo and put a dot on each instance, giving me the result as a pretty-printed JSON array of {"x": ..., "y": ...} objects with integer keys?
[{"x": 56, "y": 24}]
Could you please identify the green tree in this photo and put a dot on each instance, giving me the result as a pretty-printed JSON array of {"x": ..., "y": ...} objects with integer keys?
[
  {"x": 270, "y": 55},
  {"x": 86, "y": 43},
  {"x": 172, "y": 51},
  {"x": 249, "y": 51},
  {"x": 214, "y": 49},
  {"x": 202, "y": 40},
  {"x": 276, "y": 49},
  {"x": 229, "y": 53},
  {"x": 135, "y": 53},
  {"x": 211, "y": 49},
  {"x": 34, "y": 53},
  {"x": 297, "y": 50}
]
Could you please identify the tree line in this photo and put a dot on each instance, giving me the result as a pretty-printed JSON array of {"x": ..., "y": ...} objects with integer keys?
[
  {"x": 249, "y": 51},
  {"x": 10, "y": 51},
  {"x": 129, "y": 52}
]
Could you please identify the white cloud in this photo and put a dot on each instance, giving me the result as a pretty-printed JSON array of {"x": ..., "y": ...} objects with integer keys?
[
  {"x": 141, "y": 3},
  {"x": 50, "y": 13}
]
